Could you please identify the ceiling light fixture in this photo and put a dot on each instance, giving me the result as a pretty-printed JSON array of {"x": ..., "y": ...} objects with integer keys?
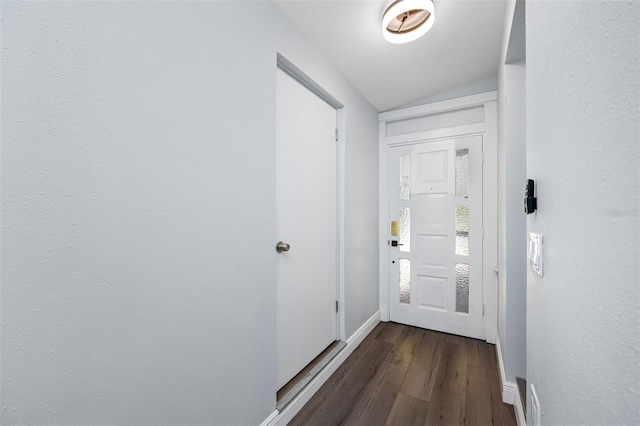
[{"x": 407, "y": 20}]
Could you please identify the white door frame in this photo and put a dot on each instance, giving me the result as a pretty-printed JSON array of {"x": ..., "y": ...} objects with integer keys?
[
  {"x": 294, "y": 72},
  {"x": 488, "y": 129}
]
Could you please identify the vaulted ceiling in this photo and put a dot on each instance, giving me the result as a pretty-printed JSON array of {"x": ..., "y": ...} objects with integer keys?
[{"x": 462, "y": 47}]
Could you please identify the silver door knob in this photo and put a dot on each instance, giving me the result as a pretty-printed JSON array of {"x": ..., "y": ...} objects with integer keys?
[{"x": 280, "y": 247}]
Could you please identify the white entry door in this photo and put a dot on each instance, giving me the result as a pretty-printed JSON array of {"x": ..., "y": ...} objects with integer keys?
[
  {"x": 436, "y": 235},
  {"x": 306, "y": 225}
]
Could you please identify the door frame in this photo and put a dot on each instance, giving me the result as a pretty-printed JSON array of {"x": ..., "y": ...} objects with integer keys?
[
  {"x": 487, "y": 128},
  {"x": 298, "y": 75}
]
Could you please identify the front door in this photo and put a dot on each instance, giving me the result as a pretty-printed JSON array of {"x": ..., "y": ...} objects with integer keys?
[
  {"x": 436, "y": 235},
  {"x": 306, "y": 223}
]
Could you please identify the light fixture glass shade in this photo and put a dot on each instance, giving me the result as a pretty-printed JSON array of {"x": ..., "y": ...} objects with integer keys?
[{"x": 407, "y": 20}]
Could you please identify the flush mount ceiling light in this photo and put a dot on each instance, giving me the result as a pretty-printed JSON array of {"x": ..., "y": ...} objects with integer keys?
[{"x": 407, "y": 20}]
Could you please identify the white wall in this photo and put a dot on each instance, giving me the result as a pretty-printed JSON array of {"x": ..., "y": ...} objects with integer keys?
[
  {"x": 583, "y": 316},
  {"x": 361, "y": 176},
  {"x": 511, "y": 217},
  {"x": 488, "y": 84},
  {"x": 361, "y": 243},
  {"x": 138, "y": 269}
]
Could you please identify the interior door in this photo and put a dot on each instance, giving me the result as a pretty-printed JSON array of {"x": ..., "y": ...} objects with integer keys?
[
  {"x": 306, "y": 225},
  {"x": 436, "y": 235}
]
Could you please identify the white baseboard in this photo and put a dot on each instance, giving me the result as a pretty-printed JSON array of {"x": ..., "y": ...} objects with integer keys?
[
  {"x": 269, "y": 420},
  {"x": 283, "y": 417},
  {"x": 509, "y": 389},
  {"x": 519, "y": 409}
]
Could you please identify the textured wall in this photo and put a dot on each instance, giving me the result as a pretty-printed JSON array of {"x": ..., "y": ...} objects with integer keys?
[
  {"x": 513, "y": 255},
  {"x": 512, "y": 220},
  {"x": 138, "y": 270},
  {"x": 583, "y": 334},
  {"x": 361, "y": 217}
]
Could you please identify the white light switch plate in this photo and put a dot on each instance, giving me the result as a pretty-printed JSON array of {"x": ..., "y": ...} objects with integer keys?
[{"x": 535, "y": 252}]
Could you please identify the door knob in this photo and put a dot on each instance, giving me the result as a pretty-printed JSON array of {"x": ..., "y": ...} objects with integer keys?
[{"x": 280, "y": 247}]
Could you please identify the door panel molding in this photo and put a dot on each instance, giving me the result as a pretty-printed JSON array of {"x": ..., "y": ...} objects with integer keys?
[{"x": 488, "y": 131}]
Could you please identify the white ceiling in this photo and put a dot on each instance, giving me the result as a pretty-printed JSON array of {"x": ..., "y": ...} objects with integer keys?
[{"x": 462, "y": 47}]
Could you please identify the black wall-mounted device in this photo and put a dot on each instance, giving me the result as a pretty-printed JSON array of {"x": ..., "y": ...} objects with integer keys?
[{"x": 530, "y": 202}]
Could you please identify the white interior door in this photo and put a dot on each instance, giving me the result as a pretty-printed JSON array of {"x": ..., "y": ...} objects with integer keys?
[
  {"x": 436, "y": 204},
  {"x": 306, "y": 220}
]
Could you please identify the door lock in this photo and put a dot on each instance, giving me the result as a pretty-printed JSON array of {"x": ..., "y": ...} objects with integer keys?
[
  {"x": 281, "y": 246},
  {"x": 394, "y": 243}
]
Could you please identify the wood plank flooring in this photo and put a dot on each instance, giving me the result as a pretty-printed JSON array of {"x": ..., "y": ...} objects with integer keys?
[{"x": 404, "y": 376}]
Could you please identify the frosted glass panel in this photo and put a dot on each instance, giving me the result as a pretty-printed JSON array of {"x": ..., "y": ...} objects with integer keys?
[
  {"x": 462, "y": 230},
  {"x": 404, "y": 231},
  {"x": 405, "y": 177},
  {"x": 462, "y": 288},
  {"x": 462, "y": 173},
  {"x": 404, "y": 285}
]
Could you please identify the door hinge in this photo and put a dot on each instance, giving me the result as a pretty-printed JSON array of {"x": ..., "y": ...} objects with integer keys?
[
  {"x": 336, "y": 306},
  {"x": 336, "y": 135}
]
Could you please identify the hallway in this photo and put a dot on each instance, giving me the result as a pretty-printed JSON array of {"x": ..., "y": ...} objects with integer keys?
[
  {"x": 403, "y": 375},
  {"x": 138, "y": 267}
]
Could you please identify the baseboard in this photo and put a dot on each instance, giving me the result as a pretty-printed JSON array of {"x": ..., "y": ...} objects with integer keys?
[
  {"x": 288, "y": 413},
  {"x": 518, "y": 409},
  {"x": 285, "y": 398},
  {"x": 269, "y": 420},
  {"x": 509, "y": 389}
]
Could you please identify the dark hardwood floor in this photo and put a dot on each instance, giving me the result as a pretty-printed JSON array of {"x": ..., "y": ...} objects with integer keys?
[{"x": 403, "y": 376}]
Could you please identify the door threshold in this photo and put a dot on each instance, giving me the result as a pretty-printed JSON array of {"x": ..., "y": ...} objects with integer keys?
[{"x": 288, "y": 392}]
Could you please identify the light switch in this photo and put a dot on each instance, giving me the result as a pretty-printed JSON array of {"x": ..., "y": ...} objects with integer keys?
[{"x": 535, "y": 252}]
